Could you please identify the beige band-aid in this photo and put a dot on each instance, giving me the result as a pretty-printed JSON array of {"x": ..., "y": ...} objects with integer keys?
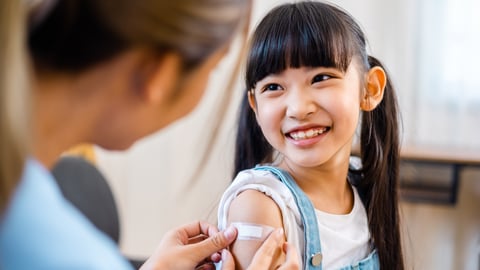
[{"x": 251, "y": 231}]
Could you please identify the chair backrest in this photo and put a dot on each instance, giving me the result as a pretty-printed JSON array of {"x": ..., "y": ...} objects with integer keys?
[{"x": 87, "y": 189}]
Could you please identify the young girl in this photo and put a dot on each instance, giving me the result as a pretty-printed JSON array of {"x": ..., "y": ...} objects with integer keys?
[{"x": 309, "y": 79}]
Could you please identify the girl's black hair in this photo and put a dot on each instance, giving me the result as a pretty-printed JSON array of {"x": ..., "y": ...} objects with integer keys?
[{"x": 317, "y": 34}]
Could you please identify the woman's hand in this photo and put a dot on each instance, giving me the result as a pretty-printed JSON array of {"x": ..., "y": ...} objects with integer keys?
[
  {"x": 266, "y": 254},
  {"x": 190, "y": 246}
]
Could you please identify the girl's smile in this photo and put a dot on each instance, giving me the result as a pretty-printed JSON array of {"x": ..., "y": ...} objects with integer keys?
[{"x": 305, "y": 136}]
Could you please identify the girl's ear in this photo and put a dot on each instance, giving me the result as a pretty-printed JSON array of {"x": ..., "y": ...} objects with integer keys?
[
  {"x": 375, "y": 87},
  {"x": 159, "y": 78},
  {"x": 251, "y": 100}
]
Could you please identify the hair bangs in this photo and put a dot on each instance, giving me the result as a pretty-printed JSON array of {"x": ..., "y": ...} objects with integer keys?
[{"x": 294, "y": 36}]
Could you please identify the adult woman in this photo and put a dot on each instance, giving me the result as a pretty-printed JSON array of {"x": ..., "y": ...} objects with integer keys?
[{"x": 109, "y": 73}]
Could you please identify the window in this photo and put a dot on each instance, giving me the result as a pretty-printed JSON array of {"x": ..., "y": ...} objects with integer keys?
[{"x": 447, "y": 98}]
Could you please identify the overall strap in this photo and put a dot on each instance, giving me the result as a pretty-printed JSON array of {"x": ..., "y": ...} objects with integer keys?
[{"x": 312, "y": 258}]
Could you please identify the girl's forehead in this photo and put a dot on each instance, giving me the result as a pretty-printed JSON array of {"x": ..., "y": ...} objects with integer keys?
[
  {"x": 307, "y": 73},
  {"x": 354, "y": 64}
]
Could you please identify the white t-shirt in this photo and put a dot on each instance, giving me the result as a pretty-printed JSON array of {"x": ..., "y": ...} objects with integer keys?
[{"x": 344, "y": 238}]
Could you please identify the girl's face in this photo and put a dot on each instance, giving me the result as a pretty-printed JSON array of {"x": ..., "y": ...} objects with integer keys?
[{"x": 309, "y": 114}]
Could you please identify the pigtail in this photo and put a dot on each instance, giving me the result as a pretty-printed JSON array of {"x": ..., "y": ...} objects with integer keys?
[
  {"x": 379, "y": 147},
  {"x": 251, "y": 147}
]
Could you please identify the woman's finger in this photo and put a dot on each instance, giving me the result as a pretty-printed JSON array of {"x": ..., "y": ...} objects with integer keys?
[
  {"x": 266, "y": 253},
  {"x": 197, "y": 228},
  {"x": 292, "y": 261},
  {"x": 227, "y": 260}
]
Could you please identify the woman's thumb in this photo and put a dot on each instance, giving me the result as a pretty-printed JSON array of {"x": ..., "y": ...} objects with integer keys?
[{"x": 216, "y": 242}]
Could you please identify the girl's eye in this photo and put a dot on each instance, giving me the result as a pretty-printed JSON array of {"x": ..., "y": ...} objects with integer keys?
[
  {"x": 272, "y": 87},
  {"x": 320, "y": 78}
]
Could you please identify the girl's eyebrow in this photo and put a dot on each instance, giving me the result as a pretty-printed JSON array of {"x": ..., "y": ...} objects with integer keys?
[
  {"x": 320, "y": 67},
  {"x": 308, "y": 69},
  {"x": 329, "y": 70}
]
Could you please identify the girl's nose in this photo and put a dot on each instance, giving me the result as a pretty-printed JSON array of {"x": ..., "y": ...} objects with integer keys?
[{"x": 300, "y": 104}]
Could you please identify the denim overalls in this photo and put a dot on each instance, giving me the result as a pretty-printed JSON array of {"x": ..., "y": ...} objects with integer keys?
[{"x": 312, "y": 258}]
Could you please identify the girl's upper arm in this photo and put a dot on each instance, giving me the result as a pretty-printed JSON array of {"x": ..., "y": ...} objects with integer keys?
[{"x": 252, "y": 206}]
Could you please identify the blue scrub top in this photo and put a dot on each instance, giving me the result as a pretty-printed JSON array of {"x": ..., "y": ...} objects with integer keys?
[{"x": 42, "y": 230}]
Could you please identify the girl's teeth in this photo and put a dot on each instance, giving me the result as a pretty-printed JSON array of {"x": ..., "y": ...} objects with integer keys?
[{"x": 301, "y": 135}]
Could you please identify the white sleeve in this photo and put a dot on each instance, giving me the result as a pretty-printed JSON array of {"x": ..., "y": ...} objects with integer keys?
[{"x": 268, "y": 184}]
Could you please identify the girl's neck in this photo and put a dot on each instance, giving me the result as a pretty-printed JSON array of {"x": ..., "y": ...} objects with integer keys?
[{"x": 326, "y": 186}]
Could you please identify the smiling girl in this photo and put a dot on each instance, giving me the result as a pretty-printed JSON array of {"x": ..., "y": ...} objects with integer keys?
[{"x": 310, "y": 82}]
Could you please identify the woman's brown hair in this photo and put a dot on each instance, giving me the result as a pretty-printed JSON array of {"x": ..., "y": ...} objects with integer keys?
[
  {"x": 77, "y": 34},
  {"x": 14, "y": 98}
]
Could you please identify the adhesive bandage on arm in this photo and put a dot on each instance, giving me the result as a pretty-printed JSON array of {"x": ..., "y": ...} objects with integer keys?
[{"x": 251, "y": 231}]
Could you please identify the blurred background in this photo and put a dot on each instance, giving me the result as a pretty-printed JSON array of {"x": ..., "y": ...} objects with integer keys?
[{"x": 430, "y": 48}]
